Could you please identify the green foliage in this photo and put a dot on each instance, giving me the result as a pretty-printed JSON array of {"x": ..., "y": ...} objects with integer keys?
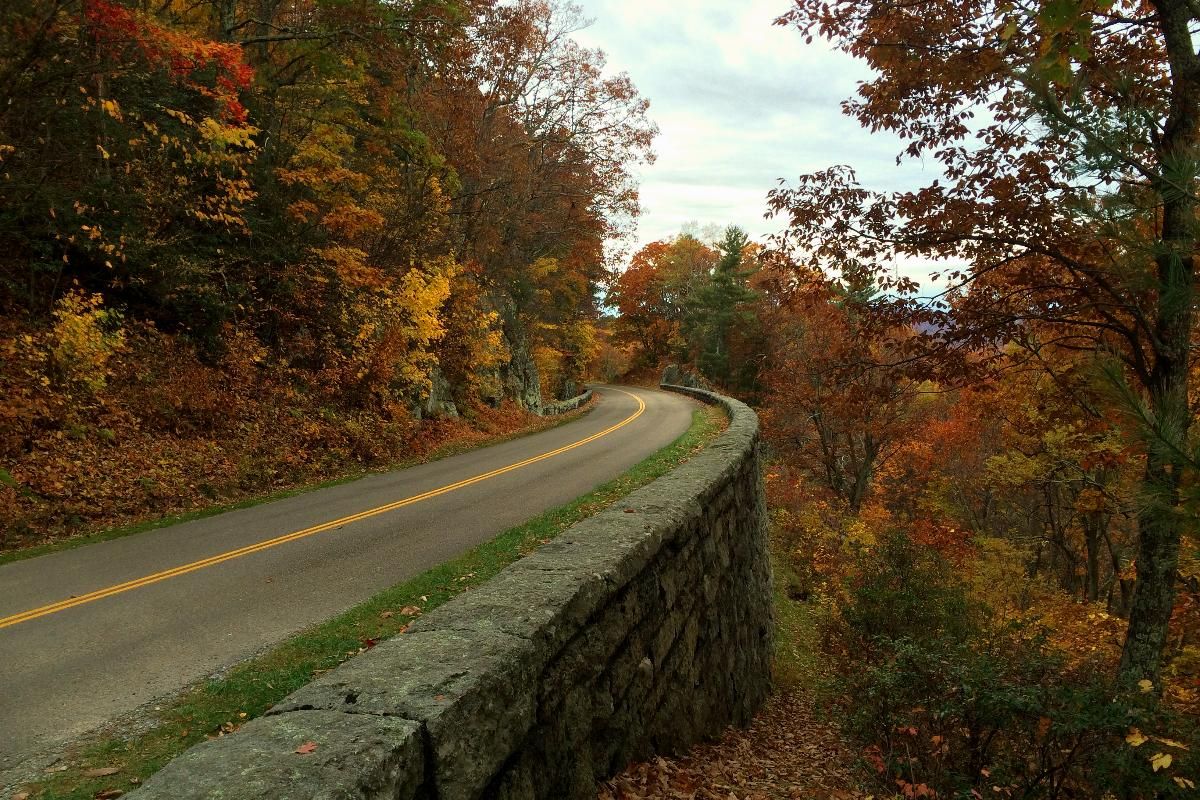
[
  {"x": 718, "y": 306},
  {"x": 970, "y": 705}
]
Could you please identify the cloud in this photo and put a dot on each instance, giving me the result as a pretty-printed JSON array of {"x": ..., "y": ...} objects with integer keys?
[{"x": 741, "y": 103}]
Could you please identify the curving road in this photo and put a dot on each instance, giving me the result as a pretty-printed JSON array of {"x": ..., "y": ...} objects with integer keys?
[{"x": 89, "y": 634}]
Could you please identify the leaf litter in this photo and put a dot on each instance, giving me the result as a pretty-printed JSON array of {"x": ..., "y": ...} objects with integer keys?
[{"x": 789, "y": 752}]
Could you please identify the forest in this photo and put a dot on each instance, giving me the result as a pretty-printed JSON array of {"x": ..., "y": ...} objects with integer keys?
[
  {"x": 251, "y": 244},
  {"x": 986, "y": 493}
]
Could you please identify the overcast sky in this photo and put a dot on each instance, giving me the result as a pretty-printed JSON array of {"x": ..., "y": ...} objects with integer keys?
[{"x": 741, "y": 103}]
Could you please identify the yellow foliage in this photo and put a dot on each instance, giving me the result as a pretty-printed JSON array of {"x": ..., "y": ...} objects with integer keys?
[
  {"x": 350, "y": 264},
  {"x": 473, "y": 348},
  {"x": 84, "y": 337},
  {"x": 219, "y": 137},
  {"x": 582, "y": 345},
  {"x": 351, "y": 220},
  {"x": 859, "y": 533},
  {"x": 216, "y": 187},
  {"x": 397, "y": 326},
  {"x": 1082, "y": 632},
  {"x": 549, "y": 362},
  {"x": 540, "y": 270}
]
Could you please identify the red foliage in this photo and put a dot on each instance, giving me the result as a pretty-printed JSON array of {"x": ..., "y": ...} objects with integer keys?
[
  {"x": 952, "y": 543},
  {"x": 120, "y": 30}
]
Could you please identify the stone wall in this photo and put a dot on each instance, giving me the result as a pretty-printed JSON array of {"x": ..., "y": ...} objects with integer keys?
[
  {"x": 638, "y": 631},
  {"x": 563, "y": 406}
]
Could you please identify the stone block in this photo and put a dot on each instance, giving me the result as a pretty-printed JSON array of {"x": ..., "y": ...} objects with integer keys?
[{"x": 353, "y": 757}]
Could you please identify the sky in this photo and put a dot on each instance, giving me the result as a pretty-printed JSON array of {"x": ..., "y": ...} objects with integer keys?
[{"x": 740, "y": 104}]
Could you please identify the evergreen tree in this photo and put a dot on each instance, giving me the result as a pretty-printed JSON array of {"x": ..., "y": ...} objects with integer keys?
[{"x": 718, "y": 306}]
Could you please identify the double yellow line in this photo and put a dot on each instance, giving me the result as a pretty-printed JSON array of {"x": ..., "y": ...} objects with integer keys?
[{"x": 220, "y": 558}]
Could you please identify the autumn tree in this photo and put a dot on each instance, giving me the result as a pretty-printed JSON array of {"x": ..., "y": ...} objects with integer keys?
[
  {"x": 1015, "y": 458},
  {"x": 126, "y": 154},
  {"x": 541, "y": 142},
  {"x": 371, "y": 188},
  {"x": 834, "y": 405},
  {"x": 1066, "y": 135},
  {"x": 653, "y": 292}
]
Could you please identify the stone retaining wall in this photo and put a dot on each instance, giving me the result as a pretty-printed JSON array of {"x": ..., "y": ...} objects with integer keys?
[
  {"x": 638, "y": 631},
  {"x": 563, "y": 406}
]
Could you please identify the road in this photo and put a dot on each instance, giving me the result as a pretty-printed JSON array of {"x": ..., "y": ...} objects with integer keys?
[{"x": 89, "y": 634}]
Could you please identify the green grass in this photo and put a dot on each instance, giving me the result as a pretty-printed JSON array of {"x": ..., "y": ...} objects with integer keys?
[
  {"x": 445, "y": 451},
  {"x": 797, "y": 649},
  {"x": 252, "y": 687}
]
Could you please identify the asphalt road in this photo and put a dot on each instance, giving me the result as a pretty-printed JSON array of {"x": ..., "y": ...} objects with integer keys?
[{"x": 69, "y": 665}]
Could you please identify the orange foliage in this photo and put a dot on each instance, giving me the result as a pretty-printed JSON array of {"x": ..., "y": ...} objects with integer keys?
[
  {"x": 118, "y": 29},
  {"x": 169, "y": 433}
]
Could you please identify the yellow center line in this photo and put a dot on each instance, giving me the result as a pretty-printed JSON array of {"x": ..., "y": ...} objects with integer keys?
[{"x": 183, "y": 569}]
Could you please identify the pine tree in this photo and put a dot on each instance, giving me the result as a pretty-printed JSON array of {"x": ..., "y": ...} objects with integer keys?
[{"x": 718, "y": 306}]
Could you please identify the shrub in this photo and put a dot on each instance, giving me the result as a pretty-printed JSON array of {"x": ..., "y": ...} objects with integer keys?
[
  {"x": 958, "y": 703},
  {"x": 84, "y": 337}
]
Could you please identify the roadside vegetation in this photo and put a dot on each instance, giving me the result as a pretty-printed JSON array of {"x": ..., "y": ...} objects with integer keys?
[
  {"x": 128, "y": 752},
  {"x": 247, "y": 246},
  {"x": 445, "y": 437},
  {"x": 956, "y": 536},
  {"x": 984, "y": 486}
]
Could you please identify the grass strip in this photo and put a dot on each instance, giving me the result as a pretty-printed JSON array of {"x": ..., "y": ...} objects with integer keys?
[
  {"x": 797, "y": 662},
  {"x": 218, "y": 706},
  {"x": 450, "y": 448}
]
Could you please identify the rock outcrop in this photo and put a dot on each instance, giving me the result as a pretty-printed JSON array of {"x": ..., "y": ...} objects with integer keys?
[{"x": 675, "y": 375}]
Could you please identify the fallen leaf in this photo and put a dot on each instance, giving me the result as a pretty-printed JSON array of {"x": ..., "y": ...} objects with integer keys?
[
  {"x": 1135, "y": 738},
  {"x": 1171, "y": 743},
  {"x": 109, "y": 794},
  {"x": 1160, "y": 761},
  {"x": 387, "y": 615},
  {"x": 100, "y": 772},
  {"x": 306, "y": 748},
  {"x": 410, "y": 611},
  {"x": 21, "y": 796}
]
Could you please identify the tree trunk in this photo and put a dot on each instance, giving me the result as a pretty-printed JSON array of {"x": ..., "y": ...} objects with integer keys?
[
  {"x": 1154, "y": 589},
  {"x": 1093, "y": 526},
  {"x": 1118, "y": 607},
  {"x": 1159, "y": 523},
  {"x": 227, "y": 16}
]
